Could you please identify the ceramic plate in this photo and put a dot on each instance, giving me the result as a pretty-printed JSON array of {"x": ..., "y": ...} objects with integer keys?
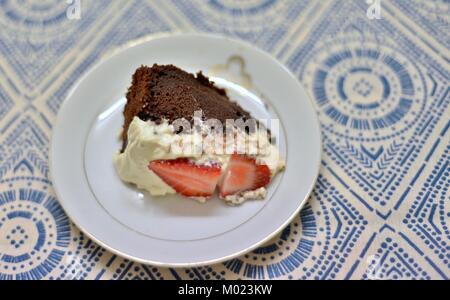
[{"x": 175, "y": 231}]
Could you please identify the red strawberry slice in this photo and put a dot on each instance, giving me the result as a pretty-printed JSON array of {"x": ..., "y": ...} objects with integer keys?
[
  {"x": 243, "y": 174},
  {"x": 187, "y": 178}
]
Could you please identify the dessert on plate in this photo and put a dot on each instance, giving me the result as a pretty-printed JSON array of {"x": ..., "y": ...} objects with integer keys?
[{"x": 182, "y": 134}]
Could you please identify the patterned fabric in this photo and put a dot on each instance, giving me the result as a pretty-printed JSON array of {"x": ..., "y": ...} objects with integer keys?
[{"x": 381, "y": 206}]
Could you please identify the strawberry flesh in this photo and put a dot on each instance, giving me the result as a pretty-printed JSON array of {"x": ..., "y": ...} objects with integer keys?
[
  {"x": 187, "y": 178},
  {"x": 243, "y": 174}
]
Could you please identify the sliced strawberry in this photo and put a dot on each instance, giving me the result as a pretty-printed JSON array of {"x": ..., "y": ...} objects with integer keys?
[
  {"x": 187, "y": 178},
  {"x": 243, "y": 174}
]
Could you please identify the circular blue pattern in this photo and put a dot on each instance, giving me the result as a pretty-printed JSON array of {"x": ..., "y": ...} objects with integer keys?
[
  {"x": 35, "y": 228},
  {"x": 365, "y": 92}
]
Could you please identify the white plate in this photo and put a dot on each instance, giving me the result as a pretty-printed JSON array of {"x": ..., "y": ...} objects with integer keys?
[{"x": 174, "y": 231}]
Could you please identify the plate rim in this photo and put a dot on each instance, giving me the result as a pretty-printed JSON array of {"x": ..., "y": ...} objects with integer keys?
[{"x": 135, "y": 42}]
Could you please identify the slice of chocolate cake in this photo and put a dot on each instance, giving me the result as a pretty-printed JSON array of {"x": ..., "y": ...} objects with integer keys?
[
  {"x": 151, "y": 142},
  {"x": 165, "y": 92}
]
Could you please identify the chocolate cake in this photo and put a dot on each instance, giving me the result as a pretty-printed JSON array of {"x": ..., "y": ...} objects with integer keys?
[
  {"x": 149, "y": 158},
  {"x": 167, "y": 92}
]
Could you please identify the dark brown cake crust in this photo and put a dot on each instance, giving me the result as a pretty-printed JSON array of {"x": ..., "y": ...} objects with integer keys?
[{"x": 167, "y": 92}]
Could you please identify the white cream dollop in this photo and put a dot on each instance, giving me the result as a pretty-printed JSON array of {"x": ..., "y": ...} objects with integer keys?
[{"x": 148, "y": 141}]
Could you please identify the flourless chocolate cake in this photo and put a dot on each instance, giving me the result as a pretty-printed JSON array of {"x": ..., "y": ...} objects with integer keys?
[{"x": 167, "y": 92}]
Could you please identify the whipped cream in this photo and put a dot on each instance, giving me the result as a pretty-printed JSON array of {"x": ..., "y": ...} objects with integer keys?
[
  {"x": 241, "y": 197},
  {"x": 148, "y": 141}
]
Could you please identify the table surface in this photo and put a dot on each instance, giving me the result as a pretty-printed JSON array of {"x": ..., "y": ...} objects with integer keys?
[{"x": 381, "y": 205}]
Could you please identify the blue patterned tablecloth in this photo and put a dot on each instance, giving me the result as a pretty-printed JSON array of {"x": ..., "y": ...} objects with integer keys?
[{"x": 378, "y": 74}]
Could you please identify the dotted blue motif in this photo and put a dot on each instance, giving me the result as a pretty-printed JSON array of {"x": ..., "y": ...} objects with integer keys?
[
  {"x": 81, "y": 260},
  {"x": 428, "y": 215},
  {"x": 6, "y": 103},
  {"x": 393, "y": 262},
  {"x": 380, "y": 208},
  {"x": 340, "y": 230},
  {"x": 130, "y": 271},
  {"x": 364, "y": 88},
  {"x": 431, "y": 15},
  {"x": 270, "y": 261}
]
